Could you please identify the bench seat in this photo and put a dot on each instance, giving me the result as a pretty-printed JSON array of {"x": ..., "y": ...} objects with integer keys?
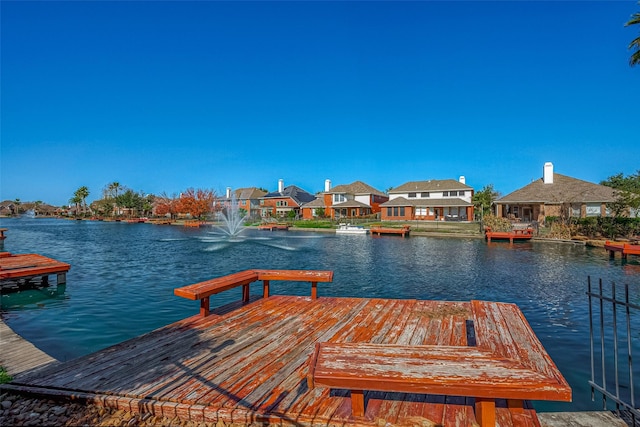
[{"x": 203, "y": 290}]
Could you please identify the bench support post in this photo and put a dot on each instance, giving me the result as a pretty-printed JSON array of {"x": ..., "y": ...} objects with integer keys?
[
  {"x": 245, "y": 293},
  {"x": 486, "y": 412},
  {"x": 265, "y": 289},
  {"x": 357, "y": 403},
  {"x": 204, "y": 307},
  {"x": 314, "y": 290}
]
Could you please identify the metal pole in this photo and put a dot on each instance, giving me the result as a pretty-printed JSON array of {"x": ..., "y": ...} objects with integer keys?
[
  {"x": 593, "y": 375},
  {"x": 615, "y": 341},
  {"x": 604, "y": 372},
  {"x": 626, "y": 300}
]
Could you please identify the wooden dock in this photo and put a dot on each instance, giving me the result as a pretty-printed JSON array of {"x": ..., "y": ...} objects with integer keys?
[
  {"x": 624, "y": 249},
  {"x": 273, "y": 226},
  {"x": 248, "y": 363},
  {"x": 194, "y": 223},
  {"x": 380, "y": 230},
  {"x": 29, "y": 266},
  {"x": 513, "y": 235},
  {"x": 19, "y": 355}
]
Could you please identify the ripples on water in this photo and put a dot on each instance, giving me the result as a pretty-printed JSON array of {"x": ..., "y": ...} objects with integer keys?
[{"x": 122, "y": 278}]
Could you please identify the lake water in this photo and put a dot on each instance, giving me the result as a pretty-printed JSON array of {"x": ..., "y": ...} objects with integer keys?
[{"x": 122, "y": 278}]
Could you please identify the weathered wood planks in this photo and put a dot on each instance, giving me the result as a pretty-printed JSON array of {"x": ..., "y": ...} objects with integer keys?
[
  {"x": 13, "y": 267},
  {"x": 249, "y": 364}
]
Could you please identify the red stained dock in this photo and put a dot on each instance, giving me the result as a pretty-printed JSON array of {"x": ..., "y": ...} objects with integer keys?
[
  {"x": 511, "y": 236},
  {"x": 379, "y": 230},
  {"x": 624, "y": 249},
  {"x": 271, "y": 227},
  {"x": 250, "y": 362},
  {"x": 26, "y": 266}
]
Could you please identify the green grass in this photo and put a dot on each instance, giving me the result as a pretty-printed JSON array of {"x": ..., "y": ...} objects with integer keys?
[{"x": 4, "y": 376}]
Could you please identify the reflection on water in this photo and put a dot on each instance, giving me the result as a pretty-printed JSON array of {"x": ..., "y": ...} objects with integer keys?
[
  {"x": 36, "y": 297},
  {"x": 122, "y": 277}
]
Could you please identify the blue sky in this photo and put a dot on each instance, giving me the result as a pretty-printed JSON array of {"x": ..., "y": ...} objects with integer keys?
[{"x": 164, "y": 96}]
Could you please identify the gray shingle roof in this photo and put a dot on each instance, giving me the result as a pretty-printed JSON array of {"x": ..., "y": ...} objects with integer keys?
[
  {"x": 563, "y": 190},
  {"x": 317, "y": 203},
  {"x": 247, "y": 193},
  {"x": 296, "y": 193},
  {"x": 431, "y": 185},
  {"x": 357, "y": 187}
]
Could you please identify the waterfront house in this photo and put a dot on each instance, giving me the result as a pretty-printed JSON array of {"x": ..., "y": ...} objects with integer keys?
[
  {"x": 279, "y": 203},
  {"x": 555, "y": 195},
  {"x": 435, "y": 200},
  {"x": 346, "y": 201},
  {"x": 248, "y": 199}
]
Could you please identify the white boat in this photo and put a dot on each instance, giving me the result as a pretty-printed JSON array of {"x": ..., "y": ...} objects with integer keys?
[{"x": 351, "y": 229}]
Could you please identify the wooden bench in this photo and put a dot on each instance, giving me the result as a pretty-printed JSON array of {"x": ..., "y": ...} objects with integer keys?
[
  {"x": 203, "y": 290},
  {"x": 507, "y": 363}
]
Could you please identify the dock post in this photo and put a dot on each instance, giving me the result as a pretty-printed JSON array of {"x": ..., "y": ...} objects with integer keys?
[{"x": 61, "y": 278}]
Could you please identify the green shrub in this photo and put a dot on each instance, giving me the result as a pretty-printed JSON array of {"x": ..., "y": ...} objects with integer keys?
[{"x": 4, "y": 376}]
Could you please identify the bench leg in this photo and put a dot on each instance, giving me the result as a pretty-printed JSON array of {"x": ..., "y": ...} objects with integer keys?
[
  {"x": 245, "y": 293},
  {"x": 204, "y": 307},
  {"x": 265, "y": 289},
  {"x": 486, "y": 412},
  {"x": 314, "y": 290},
  {"x": 357, "y": 403}
]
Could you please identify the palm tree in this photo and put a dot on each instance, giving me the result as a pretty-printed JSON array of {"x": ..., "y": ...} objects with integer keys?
[
  {"x": 17, "y": 203},
  {"x": 113, "y": 189},
  {"x": 82, "y": 193},
  {"x": 635, "y": 43}
]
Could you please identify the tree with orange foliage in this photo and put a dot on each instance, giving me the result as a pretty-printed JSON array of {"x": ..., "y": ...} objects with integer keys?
[
  {"x": 165, "y": 204},
  {"x": 197, "y": 203}
]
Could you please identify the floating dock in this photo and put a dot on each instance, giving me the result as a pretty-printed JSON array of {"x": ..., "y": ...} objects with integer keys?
[
  {"x": 511, "y": 236},
  {"x": 624, "y": 249},
  {"x": 274, "y": 226},
  {"x": 30, "y": 266},
  {"x": 248, "y": 362},
  {"x": 379, "y": 230}
]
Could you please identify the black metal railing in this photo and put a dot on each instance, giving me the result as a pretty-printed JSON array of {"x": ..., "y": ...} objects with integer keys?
[{"x": 612, "y": 323}]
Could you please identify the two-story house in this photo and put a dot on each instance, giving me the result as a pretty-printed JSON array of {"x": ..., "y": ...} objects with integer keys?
[
  {"x": 435, "y": 200},
  {"x": 247, "y": 199},
  {"x": 279, "y": 203},
  {"x": 346, "y": 201}
]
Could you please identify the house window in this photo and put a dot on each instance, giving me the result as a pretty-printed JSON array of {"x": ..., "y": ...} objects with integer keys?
[
  {"x": 425, "y": 194},
  {"x": 412, "y": 195},
  {"x": 445, "y": 194},
  {"x": 389, "y": 212},
  {"x": 401, "y": 210},
  {"x": 593, "y": 209},
  {"x": 461, "y": 193},
  {"x": 339, "y": 198},
  {"x": 575, "y": 210},
  {"x": 453, "y": 193}
]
